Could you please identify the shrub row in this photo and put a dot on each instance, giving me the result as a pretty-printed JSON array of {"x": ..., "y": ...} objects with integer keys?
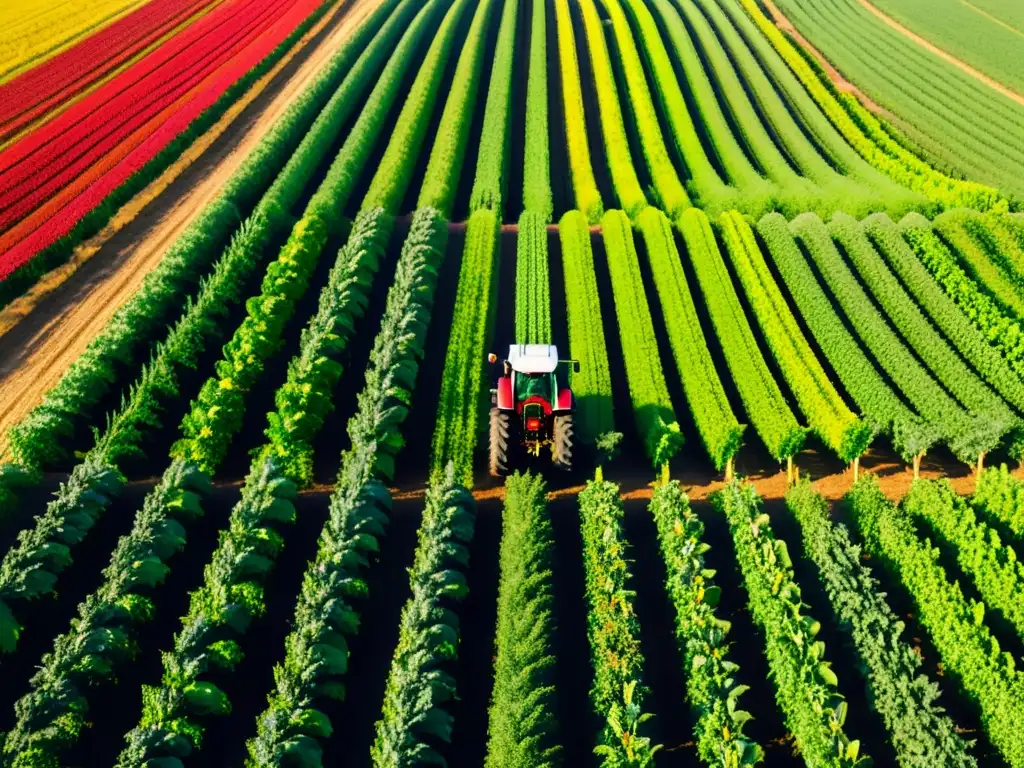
[
  {"x": 719, "y": 430},
  {"x": 617, "y": 691},
  {"x": 922, "y": 734},
  {"x": 969, "y": 652},
  {"x": 982, "y": 252},
  {"x": 822, "y": 405},
  {"x": 805, "y": 685},
  {"x": 522, "y": 727},
  {"x": 533, "y": 288},
  {"x": 652, "y": 405},
  {"x": 767, "y": 408},
  {"x": 712, "y": 687},
  {"x": 537, "y": 149},
  {"x": 1000, "y": 496}
]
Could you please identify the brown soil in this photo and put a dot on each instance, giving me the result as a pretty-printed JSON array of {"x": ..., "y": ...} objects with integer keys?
[{"x": 45, "y": 331}]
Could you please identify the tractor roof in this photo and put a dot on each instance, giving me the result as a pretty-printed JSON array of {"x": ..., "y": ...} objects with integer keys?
[{"x": 533, "y": 358}]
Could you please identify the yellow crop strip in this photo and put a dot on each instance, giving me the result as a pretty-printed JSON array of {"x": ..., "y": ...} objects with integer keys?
[{"x": 32, "y": 31}]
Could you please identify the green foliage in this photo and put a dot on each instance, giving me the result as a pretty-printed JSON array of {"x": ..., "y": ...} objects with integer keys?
[
  {"x": 414, "y": 717},
  {"x": 327, "y": 609},
  {"x": 767, "y": 408},
  {"x": 588, "y": 198},
  {"x": 488, "y": 189},
  {"x": 719, "y": 430},
  {"x": 966, "y": 647},
  {"x": 967, "y": 435},
  {"x": 537, "y": 150},
  {"x": 667, "y": 186},
  {"x": 652, "y": 405},
  {"x": 533, "y": 289},
  {"x": 824, "y": 408},
  {"x": 463, "y": 386},
  {"x": 448, "y": 152},
  {"x": 711, "y": 688},
  {"x": 805, "y": 685},
  {"x": 522, "y": 728},
  {"x": 910, "y": 434},
  {"x": 617, "y": 692},
  {"x": 1000, "y": 496},
  {"x": 592, "y": 386},
  {"x": 981, "y": 254},
  {"x": 922, "y": 735}
]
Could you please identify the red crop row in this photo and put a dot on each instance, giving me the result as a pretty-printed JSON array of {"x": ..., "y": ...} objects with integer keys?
[
  {"x": 60, "y": 222},
  {"x": 34, "y": 93}
]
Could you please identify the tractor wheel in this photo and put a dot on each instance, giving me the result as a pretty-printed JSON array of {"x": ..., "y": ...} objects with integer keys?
[
  {"x": 501, "y": 434},
  {"x": 561, "y": 442}
]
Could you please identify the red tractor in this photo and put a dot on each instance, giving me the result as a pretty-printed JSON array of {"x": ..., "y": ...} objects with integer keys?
[{"x": 530, "y": 408}]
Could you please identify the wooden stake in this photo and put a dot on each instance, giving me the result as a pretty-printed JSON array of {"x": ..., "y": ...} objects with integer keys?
[
  {"x": 917, "y": 466},
  {"x": 981, "y": 468},
  {"x": 856, "y": 468},
  {"x": 728, "y": 470},
  {"x": 789, "y": 470}
]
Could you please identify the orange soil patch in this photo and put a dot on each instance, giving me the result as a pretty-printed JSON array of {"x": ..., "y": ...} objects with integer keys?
[
  {"x": 44, "y": 331},
  {"x": 959, "y": 63}
]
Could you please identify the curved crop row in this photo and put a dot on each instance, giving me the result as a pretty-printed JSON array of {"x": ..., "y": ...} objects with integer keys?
[
  {"x": 922, "y": 734},
  {"x": 911, "y": 435},
  {"x": 711, "y": 688},
  {"x": 1000, "y": 496},
  {"x": 522, "y": 727},
  {"x": 719, "y": 430},
  {"x": 805, "y": 685},
  {"x": 533, "y": 289},
  {"x": 826, "y": 413},
  {"x": 537, "y": 149},
  {"x": 616, "y": 691},
  {"x": 652, "y": 405},
  {"x": 767, "y": 408},
  {"x": 956, "y": 625},
  {"x": 592, "y": 386}
]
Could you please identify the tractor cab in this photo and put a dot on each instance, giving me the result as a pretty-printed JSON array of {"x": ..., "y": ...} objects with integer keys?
[{"x": 531, "y": 407}]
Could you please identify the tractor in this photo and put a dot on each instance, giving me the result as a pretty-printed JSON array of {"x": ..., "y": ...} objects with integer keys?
[{"x": 531, "y": 409}]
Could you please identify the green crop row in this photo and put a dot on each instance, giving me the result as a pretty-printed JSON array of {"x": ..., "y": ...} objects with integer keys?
[
  {"x": 805, "y": 685},
  {"x": 617, "y": 691},
  {"x": 767, "y": 408},
  {"x": 826, "y": 413},
  {"x": 986, "y": 561},
  {"x": 712, "y": 687},
  {"x": 719, "y": 430},
  {"x": 999, "y": 327},
  {"x": 533, "y": 286},
  {"x": 522, "y": 727},
  {"x": 462, "y": 385},
  {"x": 922, "y": 734},
  {"x": 908, "y": 319},
  {"x": 981, "y": 252},
  {"x": 1000, "y": 496},
  {"x": 327, "y": 611},
  {"x": 537, "y": 149},
  {"x": 911, "y": 435},
  {"x": 672, "y": 196},
  {"x": 865, "y": 133},
  {"x": 943, "y": 310},
  {"x": 592, "y": 386},
  {"x": 968, "y": 435},
  {"x": 488, "y": 189},
  {"x": 588, "y": 198},
  {"x": 652, "y": 405},
  {"x": 966, "y": 647}
]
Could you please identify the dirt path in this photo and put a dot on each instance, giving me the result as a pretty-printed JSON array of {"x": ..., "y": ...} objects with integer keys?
[
  {"x": 960, "y": 63},
  {"x": 47, "y": 329}
]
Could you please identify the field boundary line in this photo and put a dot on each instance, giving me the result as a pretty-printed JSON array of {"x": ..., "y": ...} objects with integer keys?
[{"x": 994, "y": 19}]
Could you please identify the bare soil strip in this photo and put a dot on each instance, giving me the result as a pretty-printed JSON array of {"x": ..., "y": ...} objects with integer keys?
[
  {"x": 960, "y": 63},
  {"x": 45, "y": 331}
]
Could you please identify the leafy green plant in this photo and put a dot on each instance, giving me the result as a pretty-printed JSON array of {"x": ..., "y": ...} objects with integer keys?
[
  {"x": 537, "y": 151},
  {"x": 1000, "y": 496},
  {"x": 533, "y": 289},
  {"x": 981, "y": 254}
]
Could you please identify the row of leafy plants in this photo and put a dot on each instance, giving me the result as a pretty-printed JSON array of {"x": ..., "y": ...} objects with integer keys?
[
  {"x": 717, "y": 424},
  {"x": 831, "y": 419},
  {"x": 712, "y": 687},
  {"x": 766, "y": 406},
  {"x": 907, "y": 700},
  {"x": 648, "y": 390},
  {"x": 617, "y": 691},
  {"x": 969, "y": 652},
  {"x": 911, "y": 436},
  {"x": 805, "y": 685},
  {"x": 537, "y": 196},
  {"x": 533, "y": 284},
  {"x": 1000, "y": 497}
]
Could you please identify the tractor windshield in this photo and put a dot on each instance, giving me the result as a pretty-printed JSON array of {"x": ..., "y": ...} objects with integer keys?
[{"x": 533, "y": 385}]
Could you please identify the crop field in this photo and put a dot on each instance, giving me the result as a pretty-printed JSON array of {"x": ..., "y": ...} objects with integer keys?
[{"x": 267, "y": 498}]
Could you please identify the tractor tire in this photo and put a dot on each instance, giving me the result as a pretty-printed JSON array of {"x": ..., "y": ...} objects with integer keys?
[
  {"x": 561, "y": 442},
  {"x": 501, "y": 438}
]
